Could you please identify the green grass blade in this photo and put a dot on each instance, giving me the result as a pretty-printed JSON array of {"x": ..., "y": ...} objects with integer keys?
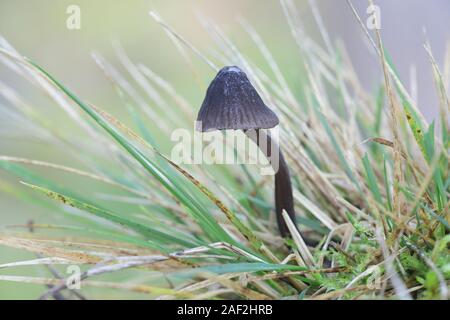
[
  {"x": 371, "y": 179},
  {"x": 146, "y": 231},
  {"x": 205, "y": 220}
]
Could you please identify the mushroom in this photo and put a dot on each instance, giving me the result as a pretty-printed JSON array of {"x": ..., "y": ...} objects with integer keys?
[{"x": 232, "y": 103}]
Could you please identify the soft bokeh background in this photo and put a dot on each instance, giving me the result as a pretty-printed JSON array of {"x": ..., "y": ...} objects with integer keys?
[{"x": 38, "y": 30}]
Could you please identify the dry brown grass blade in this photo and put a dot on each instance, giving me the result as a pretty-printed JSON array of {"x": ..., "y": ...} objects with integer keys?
[
  {"x": 338, "y": 293},
  {"x": 444, "y": 105},
  {"x": 398, "y": 83},
  {"x": 37, "y": 247},
  {"x": 115, "y": 264},
  {"x": 316, "y": 211},
  {"x": 170, "y": 31},
  {"x": 100, "y": 284},
  {"x": 33, "y": 262},
  {"x": 303, "y": 249},
  {"x": 395, "y": 113},
  {"x": 236, "y": 287}
]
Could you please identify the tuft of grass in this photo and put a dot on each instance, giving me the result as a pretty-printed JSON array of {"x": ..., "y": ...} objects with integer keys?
[{"x": 371, "y": 184}]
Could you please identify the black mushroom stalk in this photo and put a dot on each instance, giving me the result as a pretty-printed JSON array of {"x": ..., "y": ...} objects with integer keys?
[{"x": 232, "y": 103}]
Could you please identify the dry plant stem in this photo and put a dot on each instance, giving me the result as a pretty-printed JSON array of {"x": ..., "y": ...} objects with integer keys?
[
  {"x": 127, "y": 262},
  {"x": 55, "y": 273},
  {"x": 394, "y": 123},
  {"x": 284, "y": 199}
]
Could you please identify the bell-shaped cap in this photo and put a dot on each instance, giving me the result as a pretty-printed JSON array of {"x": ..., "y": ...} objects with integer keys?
[{"x": 232, "y": 102}]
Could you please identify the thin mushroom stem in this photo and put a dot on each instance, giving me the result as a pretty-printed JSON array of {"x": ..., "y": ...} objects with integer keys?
[{"x": 284, "y": 199}]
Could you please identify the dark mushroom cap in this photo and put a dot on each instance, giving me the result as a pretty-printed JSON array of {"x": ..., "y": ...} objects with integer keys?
[{"x": 232, "y": 102}]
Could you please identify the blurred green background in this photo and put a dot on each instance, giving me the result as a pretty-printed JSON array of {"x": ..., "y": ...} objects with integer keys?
[{"x": 37, "y": 29}]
